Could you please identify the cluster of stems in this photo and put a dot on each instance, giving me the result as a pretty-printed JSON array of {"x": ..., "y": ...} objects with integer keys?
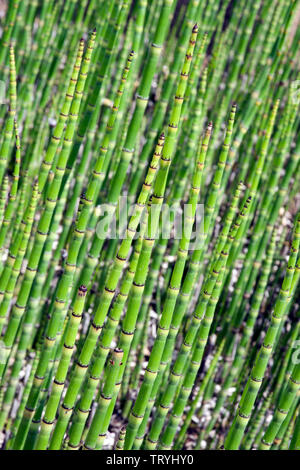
[{"x": 149, "y": 225}]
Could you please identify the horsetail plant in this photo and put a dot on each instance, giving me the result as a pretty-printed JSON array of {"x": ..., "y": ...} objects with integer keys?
[{"x": 128, "y": 320}]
